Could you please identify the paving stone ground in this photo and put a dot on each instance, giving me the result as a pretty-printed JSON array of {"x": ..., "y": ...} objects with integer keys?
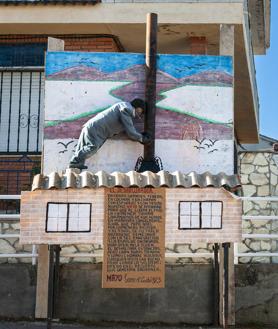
[{"x": 43, "y": 325}]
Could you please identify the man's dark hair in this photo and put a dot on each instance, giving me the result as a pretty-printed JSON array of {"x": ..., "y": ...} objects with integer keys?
[{"x": 138, "y": 102}]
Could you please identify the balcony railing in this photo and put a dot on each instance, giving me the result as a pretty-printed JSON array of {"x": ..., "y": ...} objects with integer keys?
[
  {"x": 21, "y": 109},
  {"x": 15, "y": 217}
]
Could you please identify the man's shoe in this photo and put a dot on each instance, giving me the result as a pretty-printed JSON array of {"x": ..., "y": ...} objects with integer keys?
[{"x": 78, "y": 166}]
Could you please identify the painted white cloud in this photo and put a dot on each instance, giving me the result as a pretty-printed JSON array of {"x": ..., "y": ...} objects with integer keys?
[
  {"x": 66, "y": 99},
  {"x": 205, "y": 102}
]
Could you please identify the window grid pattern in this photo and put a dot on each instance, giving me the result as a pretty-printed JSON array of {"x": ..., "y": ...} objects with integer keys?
[
  {"x": 68, "y": 217},
  {"x": 200, "y": 215}
]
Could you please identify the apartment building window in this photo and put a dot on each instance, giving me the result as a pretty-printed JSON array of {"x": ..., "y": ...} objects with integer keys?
[
  {"x": 21, "y": 97},
  {"x": 200, "y": 215}
]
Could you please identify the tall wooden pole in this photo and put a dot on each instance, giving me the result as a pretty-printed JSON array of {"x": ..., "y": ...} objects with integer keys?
[
  {"x": 41, "y": 312},
  {"x": 50, "y": 294},
  {"x": 216, "y": 284},
  {"x": 227, "y": 300},
  {"x": 150, "y": 87}
]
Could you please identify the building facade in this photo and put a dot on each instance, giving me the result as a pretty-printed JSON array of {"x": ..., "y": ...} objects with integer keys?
[
  {"x": 185, "y": 27},
  {"x": 236, "y": 29}
]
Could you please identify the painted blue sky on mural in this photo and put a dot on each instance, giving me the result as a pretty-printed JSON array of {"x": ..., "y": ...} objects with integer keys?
[{"x": 178, "y": 66}]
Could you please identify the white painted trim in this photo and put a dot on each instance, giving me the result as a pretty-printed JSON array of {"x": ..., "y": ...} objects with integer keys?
[
  {"x": 257, "y": 218},
  {"x": 259, "y": 198},
  {"x": 9, "y": 217},
  {"x": 260, "y": 236},
  {"x": 10, "y": 197},
  {"x": 12, "y": 17},
  {"x": 257, "y": 254},
  {"x": 188, "y": 255},
  {"x": 4, "y": 236},
  {"x": 23, "y": 255}
]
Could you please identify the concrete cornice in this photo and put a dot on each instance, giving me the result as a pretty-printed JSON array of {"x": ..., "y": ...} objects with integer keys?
[{"x": 123, "y": 13}]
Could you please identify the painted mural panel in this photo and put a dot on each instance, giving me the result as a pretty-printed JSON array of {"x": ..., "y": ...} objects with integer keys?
[{"x": 194, "y": 121}]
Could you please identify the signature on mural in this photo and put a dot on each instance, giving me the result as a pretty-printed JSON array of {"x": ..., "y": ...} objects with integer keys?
[{"x": 206, "y": 144}]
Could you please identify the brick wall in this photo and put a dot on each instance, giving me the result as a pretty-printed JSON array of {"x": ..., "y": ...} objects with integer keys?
[
  {"x": 231, "y": 219},
  {"x": 100, "y": 43},
  {"x": 104, "y": 44},
  {"x": 97, "y": 43},
  {"x": 34, "y": 204},
  {"x": 16, "y": 173},
  {"x": 198, "y": 45},
  {"x": 33, "y": 216}
]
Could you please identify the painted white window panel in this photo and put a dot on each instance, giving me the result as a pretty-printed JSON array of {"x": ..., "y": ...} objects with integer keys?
[
  {"x": 185, "y": 208},
  {"x": 195, "y": 221},
  {"x": 62, "y": 224},
  {"x": 73, "y": 224},
  {"x": 216, "y": 221},
  {"x": 206, "y": 221},
  {"x": 185, "y": 221},
  {"x": 52, "y": 224},
  {"x": 53, "y": 210},
  {"x": 62, "y": 210},
  {"x": 195, "y": 208},
  {"x": 73, "y": 210},
  {"x": 84, "y": 224},
  {"x": 79, "y": 217},
  {"x": 206, "y": 208},
  {"x": 84, "y": 210},
  {"x": 216, "y": 208}
]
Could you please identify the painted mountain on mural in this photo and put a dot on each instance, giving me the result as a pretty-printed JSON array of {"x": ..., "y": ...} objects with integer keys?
[{"x": 194, "y": 93}]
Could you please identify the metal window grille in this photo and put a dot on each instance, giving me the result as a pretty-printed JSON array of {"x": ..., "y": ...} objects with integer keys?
[{"x": 21, "y": 110}]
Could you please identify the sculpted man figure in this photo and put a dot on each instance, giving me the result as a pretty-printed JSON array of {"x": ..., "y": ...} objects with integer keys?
[{"x": 114, "y": 120}]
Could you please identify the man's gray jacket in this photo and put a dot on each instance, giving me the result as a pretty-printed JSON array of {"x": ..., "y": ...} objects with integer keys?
[{"x": 114, "y": 120}]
